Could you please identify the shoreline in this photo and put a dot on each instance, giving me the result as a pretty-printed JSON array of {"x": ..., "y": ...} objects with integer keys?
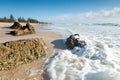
[{"x": 31, "y": 70}]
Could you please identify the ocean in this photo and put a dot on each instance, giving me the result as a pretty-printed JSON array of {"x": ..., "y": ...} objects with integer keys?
[{"x": 98, "y": 60}]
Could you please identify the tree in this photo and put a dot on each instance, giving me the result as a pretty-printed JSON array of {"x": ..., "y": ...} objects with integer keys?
[
  {"x": 5, "y": 19},
  {"x": 21, "y": 19},
  {"x": 32, "y": 20},
  {"x": 12, "y": 19}
]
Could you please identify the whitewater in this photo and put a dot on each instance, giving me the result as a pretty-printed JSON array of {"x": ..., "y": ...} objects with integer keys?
[{"x": 98, "y": 60}]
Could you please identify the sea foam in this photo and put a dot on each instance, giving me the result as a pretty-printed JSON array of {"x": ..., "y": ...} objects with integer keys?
[
  {"x": 65, "y": 65},
  {"x": 99, "y": 60}
]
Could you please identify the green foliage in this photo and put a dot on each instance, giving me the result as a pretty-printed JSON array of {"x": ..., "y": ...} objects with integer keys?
[
  {"x": 20, "y": 19},
  {"x": 32, "y": 20},
  {"x": 10, "y": 19},
  {"x": 4, "y": 19}
]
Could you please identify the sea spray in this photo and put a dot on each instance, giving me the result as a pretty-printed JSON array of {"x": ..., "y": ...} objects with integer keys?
[
  {"x": 65, "y": 65},
  {"x": 101, "y": 56},
  {"x": 83, "y": 63}
]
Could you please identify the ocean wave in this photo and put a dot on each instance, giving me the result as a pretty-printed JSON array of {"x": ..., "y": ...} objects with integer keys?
[
  {"x": 99, "y": 60},
  {"x": 106, "y": 24},
  {"x": 65, "y": 65},
  {"x": 95, "y": 59}
]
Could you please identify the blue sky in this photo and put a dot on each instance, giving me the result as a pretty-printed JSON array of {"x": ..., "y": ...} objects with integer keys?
[{"x": 43, "y": 9}]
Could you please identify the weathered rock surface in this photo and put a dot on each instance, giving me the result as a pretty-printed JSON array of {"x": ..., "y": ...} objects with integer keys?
[
  {"x": 16, "y": 25},
  {"x": 28, "y": 29},
  {"x": 15, "y": 53},
  {"x": 73, "y": 41}
]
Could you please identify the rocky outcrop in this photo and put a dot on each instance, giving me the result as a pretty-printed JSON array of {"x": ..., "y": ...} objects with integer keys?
[
  {"x": 15, "y": 53},
  {"x": 28, "y": 29},
  {"x": 16, "y": 25},
  {"x": 73, "y": 41}
]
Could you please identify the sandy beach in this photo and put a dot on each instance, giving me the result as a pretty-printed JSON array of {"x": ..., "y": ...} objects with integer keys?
[{"x": 31, "y": 71}]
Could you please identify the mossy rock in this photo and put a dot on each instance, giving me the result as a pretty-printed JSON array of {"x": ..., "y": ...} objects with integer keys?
[{"x": 15, "y": 53}]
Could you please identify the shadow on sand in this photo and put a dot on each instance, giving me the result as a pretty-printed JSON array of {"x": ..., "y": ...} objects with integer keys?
[
  {"x": 9, "y": 32},
  {"x": 6, "y": 27},
  {"x": 59, "y": 44}
]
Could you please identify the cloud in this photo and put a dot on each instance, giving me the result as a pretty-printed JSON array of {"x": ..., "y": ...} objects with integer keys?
[
  {"x": 115, "y": 12},
  {"x": 108, "y": 16}
]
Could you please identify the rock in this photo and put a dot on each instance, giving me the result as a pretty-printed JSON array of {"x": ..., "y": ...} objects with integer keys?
[
  {"x": 28, "y": 29},
  {"x": 16, "y": 25},
  {"x": 15, "y": 53},
  {"x": 73, "y": 41}
]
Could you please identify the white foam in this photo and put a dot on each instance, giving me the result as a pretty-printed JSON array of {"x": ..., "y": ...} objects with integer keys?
[
  {"x": 67, "y": 66},
  {"x": 99, "y": 60},
  {"x": 33, "y": 72}
]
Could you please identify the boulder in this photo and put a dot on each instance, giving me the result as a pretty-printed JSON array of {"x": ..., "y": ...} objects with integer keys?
[
  {"x": 16, "y": 25},
  {"x": 74, "y": 41},
  {"x": 15, "y": 53},
  {"x": 28, "y": 29}
]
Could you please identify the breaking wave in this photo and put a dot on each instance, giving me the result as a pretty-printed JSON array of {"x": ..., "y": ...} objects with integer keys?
[{"x": 98, "y": 60}]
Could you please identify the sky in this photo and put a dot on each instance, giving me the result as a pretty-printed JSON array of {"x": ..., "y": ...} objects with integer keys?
[{"x": 46, "y": 9}]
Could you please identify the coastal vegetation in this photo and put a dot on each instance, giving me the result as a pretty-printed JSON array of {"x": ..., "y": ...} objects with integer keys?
[{"x": 11, "y": 18}]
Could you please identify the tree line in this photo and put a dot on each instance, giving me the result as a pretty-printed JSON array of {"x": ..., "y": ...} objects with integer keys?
[{"x": 20, "y": 19}]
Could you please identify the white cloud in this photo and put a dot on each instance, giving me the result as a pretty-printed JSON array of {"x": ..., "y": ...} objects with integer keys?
[
  {"x": 112, "y": 15},
  {"x": 115, "y": 12},
  {"x": 89, "y": 14}
]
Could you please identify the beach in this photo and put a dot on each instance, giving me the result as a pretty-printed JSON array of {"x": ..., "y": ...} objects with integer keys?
[
  {"x": 33, "y": 70},
  {"x": 60, "y": 40},
  {"x": 98, "y": 58}
]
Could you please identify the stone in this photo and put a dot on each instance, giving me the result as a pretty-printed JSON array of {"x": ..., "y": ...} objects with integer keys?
[
  {"x": 16, "y": 25},
  {"x": 15, "y": 53},
  {"x": 28, "y": 29},
  {"x": 74, "y": 41}
]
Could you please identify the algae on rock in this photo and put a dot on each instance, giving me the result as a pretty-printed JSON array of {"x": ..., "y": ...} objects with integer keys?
[{"x": 15, "y": 53}]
